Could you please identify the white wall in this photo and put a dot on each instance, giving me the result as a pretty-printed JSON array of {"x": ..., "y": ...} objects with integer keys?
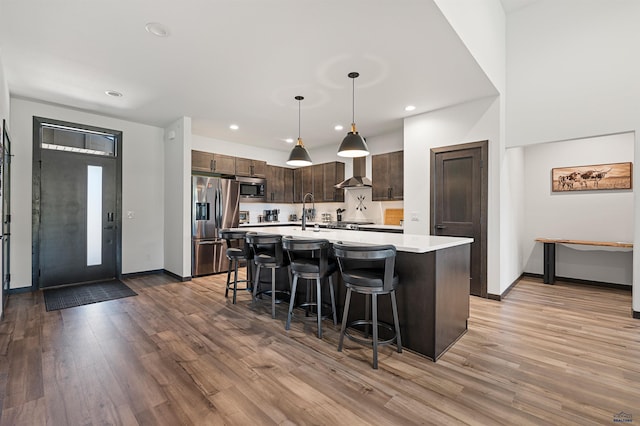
[
  {"x": 583, "y": 215},
  {"x": 142, "y": 187},
  {"x": 572, "y": 68},
  {"x": 177, "y": 193},
  {"x": 4, "y": 94}
]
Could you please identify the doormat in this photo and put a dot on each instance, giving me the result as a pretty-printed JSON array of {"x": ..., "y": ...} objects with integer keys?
[{"x": 85, "y": 294}]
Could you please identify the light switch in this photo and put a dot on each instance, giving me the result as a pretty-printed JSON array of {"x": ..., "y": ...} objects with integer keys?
[{"x": 131, "y": 214}]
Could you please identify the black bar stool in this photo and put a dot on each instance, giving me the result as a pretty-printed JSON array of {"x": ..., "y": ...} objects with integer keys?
[
  {"x": 309, "y": 260},
  {"x": 267, "y": 253},
  {"x": 369, "y": 270},
  {"x": 237, "y": 251}
]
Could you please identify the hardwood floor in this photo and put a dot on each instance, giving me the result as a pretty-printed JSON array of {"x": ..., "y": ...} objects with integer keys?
[{"x": 180, "y": 353}]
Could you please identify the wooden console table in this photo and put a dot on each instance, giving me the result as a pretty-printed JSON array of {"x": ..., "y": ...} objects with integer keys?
[{"x": 549, "y": 261}]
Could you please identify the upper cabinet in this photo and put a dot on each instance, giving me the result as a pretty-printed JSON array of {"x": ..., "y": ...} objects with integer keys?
[
  {"x": 319, "y": 180},
  {"x": 213, "y": 163},
  {"x": 333, "y": 173},
  {"x": 279, "y": 184},
  {"x": 247, "y": 167},
  {"x": 387, "y": 172},
  {"x": 302, "y": 182}
]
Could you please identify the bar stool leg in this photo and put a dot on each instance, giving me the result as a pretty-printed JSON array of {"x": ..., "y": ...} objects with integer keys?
[
  {"x": 226, "y": 292},
  {"x": 394, "y": 306},
  {"x": 273, "y": 293},
  {"x": 319, "y": 306},
  {"x": 367, "y": 315},
  {"x": 374, "y": 313},
  {"x": 333, "y": 301},
  {"x": 256, "y": 282},
  {"x": 235, "y": 281},
  {"x": 291, "y": 302},
  {"x": 345, "y": 315}
]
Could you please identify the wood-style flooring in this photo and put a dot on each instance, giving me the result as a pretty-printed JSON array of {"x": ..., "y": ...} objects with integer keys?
[{"x": 181, "y": 354}]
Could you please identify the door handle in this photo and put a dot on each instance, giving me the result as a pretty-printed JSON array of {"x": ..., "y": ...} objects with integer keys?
[{"x": 208, "y": 243}]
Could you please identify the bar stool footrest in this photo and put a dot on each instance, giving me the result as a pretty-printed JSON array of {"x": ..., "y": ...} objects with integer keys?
[
  {"x": 268, "y": 293},
  {"x": 247, "y": 287},
  {"x": 325, "y": 306},
  {"x": 369, "y": 341}
]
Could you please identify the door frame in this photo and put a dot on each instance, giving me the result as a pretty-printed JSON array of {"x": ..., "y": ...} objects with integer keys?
[
  {"x": 36, "y": 173},
  {"x": 484, "y": 167}
]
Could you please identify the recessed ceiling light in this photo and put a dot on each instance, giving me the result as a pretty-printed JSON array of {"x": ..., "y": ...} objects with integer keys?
[
  {"x": 338, "y": 127},
  {"x": 234, "y": 127},
  {"x": 288, "y": 140},
  {"x": 157, "y": 29},
  {"x": 409, "y": 108},
  {"x": 113, "y": 93}
]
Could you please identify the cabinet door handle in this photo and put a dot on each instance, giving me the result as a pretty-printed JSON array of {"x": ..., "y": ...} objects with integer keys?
[
  {"x": 251, "y": 170},
  {"x": 389, "y": 192},
  {"x": 440, "y": 227}
]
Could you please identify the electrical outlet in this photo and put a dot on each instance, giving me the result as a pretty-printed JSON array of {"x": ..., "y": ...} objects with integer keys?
[
  {"x": 414, "y": 217},
  {"x": 131, "y": 214}
]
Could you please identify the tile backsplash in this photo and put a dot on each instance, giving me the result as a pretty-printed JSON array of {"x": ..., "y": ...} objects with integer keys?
[{"x": 358, "y": 206}]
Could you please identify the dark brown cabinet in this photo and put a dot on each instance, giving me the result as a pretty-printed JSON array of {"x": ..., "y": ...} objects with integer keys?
[
  {"x": 317, "y": 187},
  {"x": 213, "y": 163},
  {"x": 248, "y": 167},
  {"x": 387, "y": 172},
  {"x": 333, "y": 174},
  {"x": 319, "y": 180},
  {"x": 279, "y": 184},
  {"x": 302, "y": 182}
]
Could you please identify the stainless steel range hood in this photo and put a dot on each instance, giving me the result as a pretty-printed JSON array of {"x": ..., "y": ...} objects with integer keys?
[{"x": 358, "y": 180}]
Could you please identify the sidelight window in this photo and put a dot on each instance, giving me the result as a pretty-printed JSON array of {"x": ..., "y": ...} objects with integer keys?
[{"x": 94, "y": 215}]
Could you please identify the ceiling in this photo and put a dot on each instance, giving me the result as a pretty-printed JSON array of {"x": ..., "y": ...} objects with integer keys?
[{"x": 241, "y": 62}]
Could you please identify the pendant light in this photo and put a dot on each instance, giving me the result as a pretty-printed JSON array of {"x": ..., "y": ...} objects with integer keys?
[
  {"x": 353, "y": 145},
  {"x": 299, "y": 155}
]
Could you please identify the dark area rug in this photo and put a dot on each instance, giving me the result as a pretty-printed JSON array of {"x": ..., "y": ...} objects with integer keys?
[{"x": 85, "y": 294}]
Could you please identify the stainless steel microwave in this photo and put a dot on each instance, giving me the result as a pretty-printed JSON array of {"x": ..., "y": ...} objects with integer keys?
[{"x": 252, "y": 189}]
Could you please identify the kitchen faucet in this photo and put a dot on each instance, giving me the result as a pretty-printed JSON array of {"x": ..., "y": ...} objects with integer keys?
[{"x": 304, "y": 210}]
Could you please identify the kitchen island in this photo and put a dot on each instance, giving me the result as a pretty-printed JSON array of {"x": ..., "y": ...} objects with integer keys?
[{"x": 433, "y": 295}]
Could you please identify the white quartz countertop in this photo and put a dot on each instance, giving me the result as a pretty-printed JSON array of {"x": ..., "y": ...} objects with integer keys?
[{"x": 403, "y": 242}]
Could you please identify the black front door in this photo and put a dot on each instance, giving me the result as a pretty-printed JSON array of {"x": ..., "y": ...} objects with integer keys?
[
  {"x": 459, "y": 202},
  {"x": 77, "y": 218}
]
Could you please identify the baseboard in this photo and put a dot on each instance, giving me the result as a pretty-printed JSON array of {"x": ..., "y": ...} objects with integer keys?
[
  {"x": 499, "y": 297},
  {"x": 142, "y": 273},
  {"x": 583, "y": 282},
  {"x": 176, "y": 276}
]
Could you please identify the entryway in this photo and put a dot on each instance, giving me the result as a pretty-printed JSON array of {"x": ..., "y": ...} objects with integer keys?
[
  {"x": 76, "y": 203},
  {"x": 459, "y": 187}
]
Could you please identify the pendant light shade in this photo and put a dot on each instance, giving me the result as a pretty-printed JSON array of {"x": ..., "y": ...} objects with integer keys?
[
  {"x": 299, "y": 155},
  {"x": 353, "y": 145}
]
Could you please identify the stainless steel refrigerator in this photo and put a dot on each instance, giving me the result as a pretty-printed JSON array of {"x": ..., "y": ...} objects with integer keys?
[{"x": 215, "y": 207}]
